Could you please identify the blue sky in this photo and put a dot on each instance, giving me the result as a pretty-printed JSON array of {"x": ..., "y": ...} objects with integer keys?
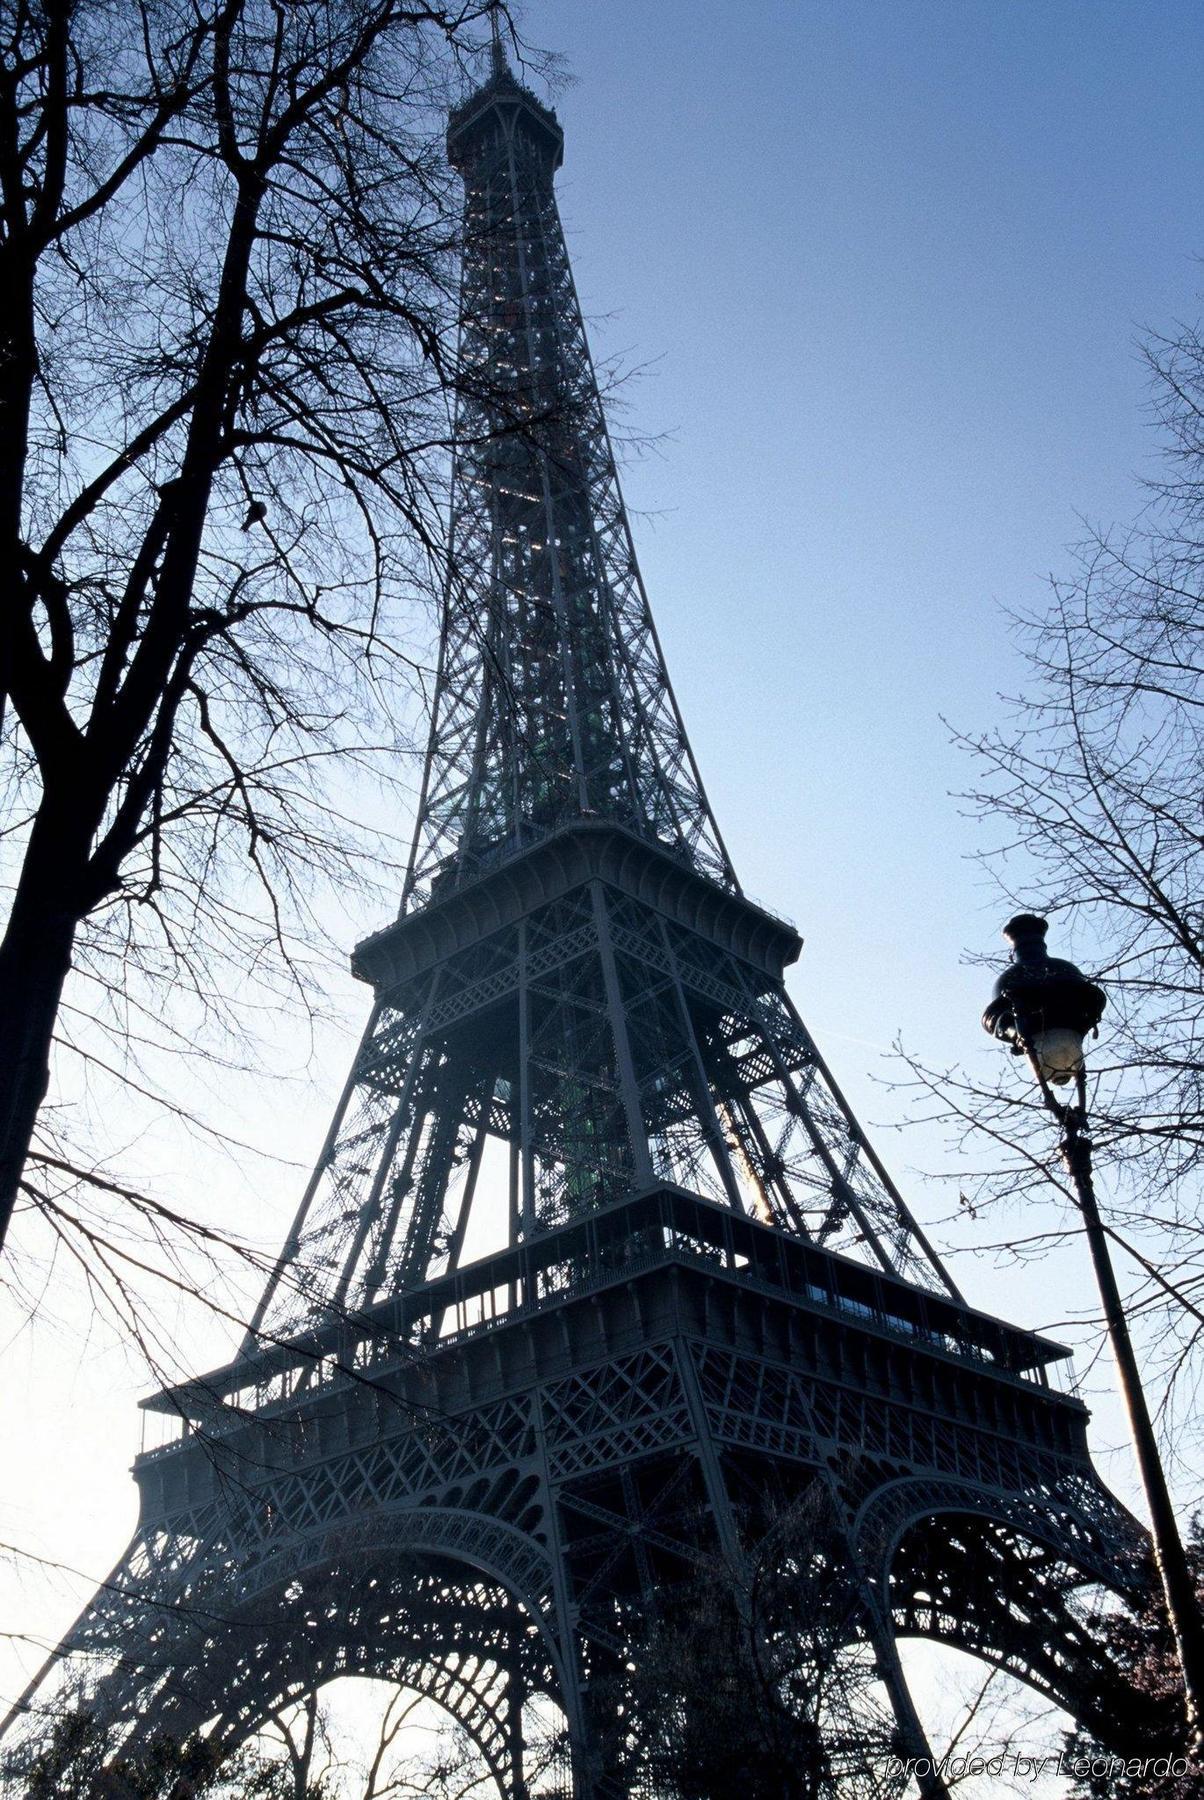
[{"x": 887, "y": 263}]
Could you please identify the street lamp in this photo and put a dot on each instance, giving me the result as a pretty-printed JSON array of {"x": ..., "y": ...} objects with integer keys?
[{"x": 1044, "y": 1008}]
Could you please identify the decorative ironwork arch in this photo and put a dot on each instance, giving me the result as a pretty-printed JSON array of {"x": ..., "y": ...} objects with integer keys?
[
  {"x": 471, "y": 1690},
  {"x": 999, "y": 1575},
  {"x": 1053, "y": 1509},
  {"x": 413, "y": 1600}
]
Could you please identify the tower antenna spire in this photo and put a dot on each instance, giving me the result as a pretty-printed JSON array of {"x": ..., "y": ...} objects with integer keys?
[{"x": 496, "y": 50}]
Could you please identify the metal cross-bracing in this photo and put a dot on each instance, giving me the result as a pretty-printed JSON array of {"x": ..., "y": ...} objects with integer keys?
[
  {"x": 553, "y": 698},
  {"x": 576, "y": 974},
  {"x": 503, "y": 1516},
  {"x": 599, "y": 1312},
  {"x": 628, "y": 1026}
]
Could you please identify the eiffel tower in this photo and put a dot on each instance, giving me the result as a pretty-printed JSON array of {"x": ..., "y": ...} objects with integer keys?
[{"x": 596, "y": 1259}]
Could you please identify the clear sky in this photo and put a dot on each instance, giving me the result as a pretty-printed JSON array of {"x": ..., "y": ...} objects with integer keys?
[{"x": 885, "y": 262}]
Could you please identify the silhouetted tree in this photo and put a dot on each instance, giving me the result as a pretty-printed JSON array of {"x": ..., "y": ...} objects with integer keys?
[
  {"x": 397, "y": 1754},
  {"x": 1091, "y": 795},
  {"x": 227, "y": 376},
  {"x": 1139, "y": 1638},
  {"x": 78, "y": 1759},
  {"x": 755, "y": 1679}
]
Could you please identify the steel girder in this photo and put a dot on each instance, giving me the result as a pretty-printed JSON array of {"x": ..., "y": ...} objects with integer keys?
[
  {"x": 610, "y": 1048},
  {"x": 553, "y": 695},
  {"x": 520, "y": 1544}
]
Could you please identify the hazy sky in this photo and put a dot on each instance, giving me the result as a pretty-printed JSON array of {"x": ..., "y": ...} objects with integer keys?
[{"x": 885, "y": 263}]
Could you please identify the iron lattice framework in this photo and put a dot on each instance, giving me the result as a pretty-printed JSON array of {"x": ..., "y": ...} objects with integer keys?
[{"x": 597, "y": 1275}]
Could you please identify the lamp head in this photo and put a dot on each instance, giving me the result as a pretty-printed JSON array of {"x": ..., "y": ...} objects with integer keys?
[{"x": 1043, "y": 1004}]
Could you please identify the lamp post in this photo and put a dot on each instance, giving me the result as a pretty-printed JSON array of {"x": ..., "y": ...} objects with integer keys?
[{"x": 1044, "y": 1008}]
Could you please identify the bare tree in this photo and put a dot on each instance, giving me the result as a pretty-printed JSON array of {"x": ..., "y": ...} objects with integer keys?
[
  {"x": 1139, "y": 1636},
  {"x": 397, "y": 1751},
  {"x": 411, "y": 1752},
  {"x": 1092, "y": 798},
  {"x": 229, "y": 366},
  {"x": 227, "y": 376},
  {"x": 755, "y": 1677},
  {"x": 77, "y": 1757}
]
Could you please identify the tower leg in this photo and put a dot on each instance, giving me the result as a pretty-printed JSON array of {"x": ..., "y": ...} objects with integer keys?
[
  {"x": 912, "y": 1739},
  {"x": 516, "y": 1743}
]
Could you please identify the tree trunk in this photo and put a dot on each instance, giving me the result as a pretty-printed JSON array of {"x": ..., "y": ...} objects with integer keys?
[{"x": 35, "y": 959}]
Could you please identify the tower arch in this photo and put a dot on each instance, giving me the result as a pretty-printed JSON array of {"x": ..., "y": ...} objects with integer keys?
[{"x": 1005, "y": 1575}]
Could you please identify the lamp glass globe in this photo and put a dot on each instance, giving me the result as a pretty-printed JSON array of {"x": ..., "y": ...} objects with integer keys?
[{"x": 1060, "y": 1054}]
